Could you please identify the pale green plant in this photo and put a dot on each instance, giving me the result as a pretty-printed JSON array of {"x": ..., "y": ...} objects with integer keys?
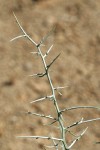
[{"x": 58, "y": 142}]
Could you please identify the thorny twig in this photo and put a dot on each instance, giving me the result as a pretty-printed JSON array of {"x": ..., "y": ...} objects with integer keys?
[{"x": 59, "y": 120}]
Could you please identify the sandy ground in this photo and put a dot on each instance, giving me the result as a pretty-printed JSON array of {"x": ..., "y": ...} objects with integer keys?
[{"x": 77, "y": 38}]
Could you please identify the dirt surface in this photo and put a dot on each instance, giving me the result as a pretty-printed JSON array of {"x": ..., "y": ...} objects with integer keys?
[{"x": 77, "y": 38}]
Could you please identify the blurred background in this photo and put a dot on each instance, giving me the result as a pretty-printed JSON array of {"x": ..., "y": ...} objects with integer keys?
[{"x": 77, "y": 38}]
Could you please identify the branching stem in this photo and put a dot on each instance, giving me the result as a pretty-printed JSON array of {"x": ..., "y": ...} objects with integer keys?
[{"x": 52, "y": 97}]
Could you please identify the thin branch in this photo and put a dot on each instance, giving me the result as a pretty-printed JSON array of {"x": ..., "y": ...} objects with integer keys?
[
  {"x": 55, "y": 145},
  {"x": 57, "y": 88},
  {"x": 25, "y": 34},
  {"x": 51, "y": 123},
  {"x": 60, "y": 87},
  {"x": 79, "y": 107},
  {"x": 38, "y": 75},
  {"x": 48, "y": 51},
  {"x": 41, "y": 137},
  {"x": 59, "y": 93},
  {"x": 19, "y": 24},
  {"x": 17, "y": 37},
  {"x": 77, "y": 139},
  {"x": 38, "y": 100},
  {"x": 49, "y": 146},
  {"x": 91, "y": 120},
  {"x": 81, "y": 122},
  {"x": 45, "y": 37},
  {"x": 35, "y": 53},
  {"x": 74, "y": 124},
  {"x": 41, "y": 115},
  {"x": 53, "y": 61},
  {"x": 71, "y": 133},
  {"x": 41, "y": 99}
]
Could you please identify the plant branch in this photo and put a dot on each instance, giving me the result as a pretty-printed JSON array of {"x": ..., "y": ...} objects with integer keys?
[
  {"x": 53, "y": 61},
  {"x": 48, "y": 51},
  {"x": 23, "y": 31},
  {"x": 41, "y": 137},
  {"x": 81, "y": 122},
  {"x": 79, "y": 107},
  {"x": 61, "y": 125},
  {"x": 59, "y": 112},
  {"x": 41, "y": 115},
  {"x": 45, "y": 37},
  {"x": 41, "y": 99},
  {"x": 77, "y": 139}
]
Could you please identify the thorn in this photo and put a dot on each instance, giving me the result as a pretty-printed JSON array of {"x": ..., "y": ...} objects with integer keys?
[
  {"x": 53, "y": 61},
  {"x": 48, "y": 51},
  {"x": 46, "y": 37}
]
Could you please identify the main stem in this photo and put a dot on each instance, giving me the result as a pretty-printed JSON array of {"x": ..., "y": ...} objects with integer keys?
[{"x": 60, "y": 121}]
